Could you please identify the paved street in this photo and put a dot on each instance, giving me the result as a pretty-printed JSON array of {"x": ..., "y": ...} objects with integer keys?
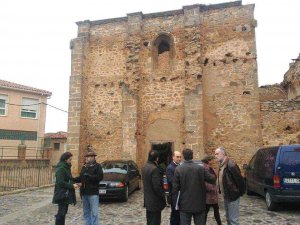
[{"x": 35, "y": 208}]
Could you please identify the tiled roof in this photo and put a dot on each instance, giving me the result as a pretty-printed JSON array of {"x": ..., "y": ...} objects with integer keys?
[
  {"x": 58, "y": 135},
  {"x": 8, "y": 84}
]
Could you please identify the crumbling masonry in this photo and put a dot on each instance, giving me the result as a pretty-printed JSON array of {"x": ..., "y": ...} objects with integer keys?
[{"x": 186, "y": 77}]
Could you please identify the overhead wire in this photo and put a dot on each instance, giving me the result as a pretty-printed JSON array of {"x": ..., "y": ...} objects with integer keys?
[{"x": 7, "y": 103}]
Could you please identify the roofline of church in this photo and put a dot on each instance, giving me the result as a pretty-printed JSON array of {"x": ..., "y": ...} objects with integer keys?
[{"x": 165, "y": 13}]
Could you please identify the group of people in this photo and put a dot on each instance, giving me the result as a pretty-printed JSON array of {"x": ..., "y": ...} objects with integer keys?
[
  {"x": 88, "y": 182},
  {"x": 193, "y": 188}
]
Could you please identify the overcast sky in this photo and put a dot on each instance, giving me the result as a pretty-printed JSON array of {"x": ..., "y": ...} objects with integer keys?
[{"x": 35, "y": 37}]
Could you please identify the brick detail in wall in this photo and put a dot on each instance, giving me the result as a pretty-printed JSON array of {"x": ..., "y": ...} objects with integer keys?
[{"x": 77, "y": 46}]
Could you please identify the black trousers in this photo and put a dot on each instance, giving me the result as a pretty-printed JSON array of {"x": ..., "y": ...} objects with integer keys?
[
  {"x": 60, "y": 217},
  {"x": 216, "y": 213},
  {"x": 186, "y": 218},
  {"x": 175, "y": 216},
  {"x": 153, "y": 218}
]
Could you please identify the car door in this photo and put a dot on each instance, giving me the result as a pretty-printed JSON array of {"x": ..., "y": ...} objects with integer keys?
[
  {"x": 250, "y": 174},
  {"x": 267, "y": 172},
  {"x": 290, "y": 167},
  {"x": 132, "y": 177},
  {"x": 135, "y": 175},
  {"x": 258, "y": 173}
]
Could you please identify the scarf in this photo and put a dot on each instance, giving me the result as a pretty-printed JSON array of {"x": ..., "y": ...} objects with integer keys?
[{"x": 90, "y": 164}]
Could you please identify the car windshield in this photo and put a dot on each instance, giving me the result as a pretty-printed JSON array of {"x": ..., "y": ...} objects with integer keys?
[{"x": 114, "y": 167}]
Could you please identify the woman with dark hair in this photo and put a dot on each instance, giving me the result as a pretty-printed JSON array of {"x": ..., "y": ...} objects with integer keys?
[
  {"x": 211, "y": 191},
  {"x": 64, "y": 184}
]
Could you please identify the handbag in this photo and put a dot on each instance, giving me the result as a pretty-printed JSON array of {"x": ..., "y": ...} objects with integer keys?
[{"x": 61, "y": 195}]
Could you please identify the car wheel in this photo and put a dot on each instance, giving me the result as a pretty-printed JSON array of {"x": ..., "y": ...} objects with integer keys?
[
  {"x": 271, "y": 205},
  {"x": 126, "y": 194}
]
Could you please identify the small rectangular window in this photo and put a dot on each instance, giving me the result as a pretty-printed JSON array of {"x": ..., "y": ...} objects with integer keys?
[
  {"x": 56, "y": 146},
  {"x": 3, "y": 104},
  {"x": 29, "y": 108}
]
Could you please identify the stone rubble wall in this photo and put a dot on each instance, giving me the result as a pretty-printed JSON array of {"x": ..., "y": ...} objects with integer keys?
[
  {"x": 200, "y": 94},
  {"x": 230, "y": 83},
  {"x": 78, "y": 47},
  {"x": 272, "y": 92},
  {"x": 291, "y": 80},
  {"x": 280, "y": 122}
]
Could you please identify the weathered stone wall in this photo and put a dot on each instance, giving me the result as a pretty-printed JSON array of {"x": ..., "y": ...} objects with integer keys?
[
  {"x": 272, "y": 92},
  {"x": 280, "y": 122},
  {"x": 230, "y": 85},
  {"x": 291, "y": 80},
  {"x": 198, "y": 89},
  {"x": 102, "y": 91},
  {"x": 78, "y": 47}
]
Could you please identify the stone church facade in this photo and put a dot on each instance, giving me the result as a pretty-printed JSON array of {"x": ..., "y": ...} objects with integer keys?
[{"x": 183, "y": 79}]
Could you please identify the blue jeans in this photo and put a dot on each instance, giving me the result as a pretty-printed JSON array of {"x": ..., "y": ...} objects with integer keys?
[
  {"x": 90, "y": 209},
  {"x": 232, "y": 211},
  {"x": 186, "y": 218}
]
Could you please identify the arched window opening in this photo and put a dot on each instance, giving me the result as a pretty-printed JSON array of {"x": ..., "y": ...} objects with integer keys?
[
  {"x": 162, "y": 52},
  {"x": 163, "y": 47}
]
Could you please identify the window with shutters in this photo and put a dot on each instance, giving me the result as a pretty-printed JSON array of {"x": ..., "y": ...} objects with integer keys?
[
  {"x": 29, "y": 108},
  {"x": 3, "y": 105}
]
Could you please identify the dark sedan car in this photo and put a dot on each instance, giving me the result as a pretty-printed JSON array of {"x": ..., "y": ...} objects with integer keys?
[{"x": 121, "y": 178}]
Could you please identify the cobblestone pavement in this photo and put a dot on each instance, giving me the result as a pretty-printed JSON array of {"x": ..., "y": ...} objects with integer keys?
[{"x": 35, "y": 208}]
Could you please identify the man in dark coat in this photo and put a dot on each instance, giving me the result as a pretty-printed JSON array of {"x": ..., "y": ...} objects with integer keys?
[
  {"x": 154, "y": 195},
  {"x": 175, "y": 216},
  {"x": 90, "y": 176},
  {"x": 231, "y": 185},
  {"x": 189, "y": 187}
]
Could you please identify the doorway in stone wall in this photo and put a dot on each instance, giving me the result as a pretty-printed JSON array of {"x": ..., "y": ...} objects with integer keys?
[{"x": 165, "y": 150}]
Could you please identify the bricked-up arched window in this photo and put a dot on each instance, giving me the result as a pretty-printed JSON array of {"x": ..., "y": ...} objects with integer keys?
[{"x": 163, "y": 52}]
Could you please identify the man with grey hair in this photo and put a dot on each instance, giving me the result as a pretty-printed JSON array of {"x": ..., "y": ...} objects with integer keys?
[{"x": 231, "y": 185}]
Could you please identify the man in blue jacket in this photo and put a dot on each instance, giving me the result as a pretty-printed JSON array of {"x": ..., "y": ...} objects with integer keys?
[{"x": 175, "y": 216}]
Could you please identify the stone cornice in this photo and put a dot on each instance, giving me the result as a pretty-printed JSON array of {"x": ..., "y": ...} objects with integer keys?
[{"x": 163, "y": 14}]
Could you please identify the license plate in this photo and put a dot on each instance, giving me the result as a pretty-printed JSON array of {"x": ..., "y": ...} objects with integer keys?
[
  {"x": 103, "y": 192},
  {"x": 291, "y": 180}
]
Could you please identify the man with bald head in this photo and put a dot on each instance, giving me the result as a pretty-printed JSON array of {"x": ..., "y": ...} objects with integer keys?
[{"x": 175, "y": 217}]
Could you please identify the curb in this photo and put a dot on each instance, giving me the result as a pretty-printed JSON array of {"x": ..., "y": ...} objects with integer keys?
[{"x": 25, "y": 190}]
